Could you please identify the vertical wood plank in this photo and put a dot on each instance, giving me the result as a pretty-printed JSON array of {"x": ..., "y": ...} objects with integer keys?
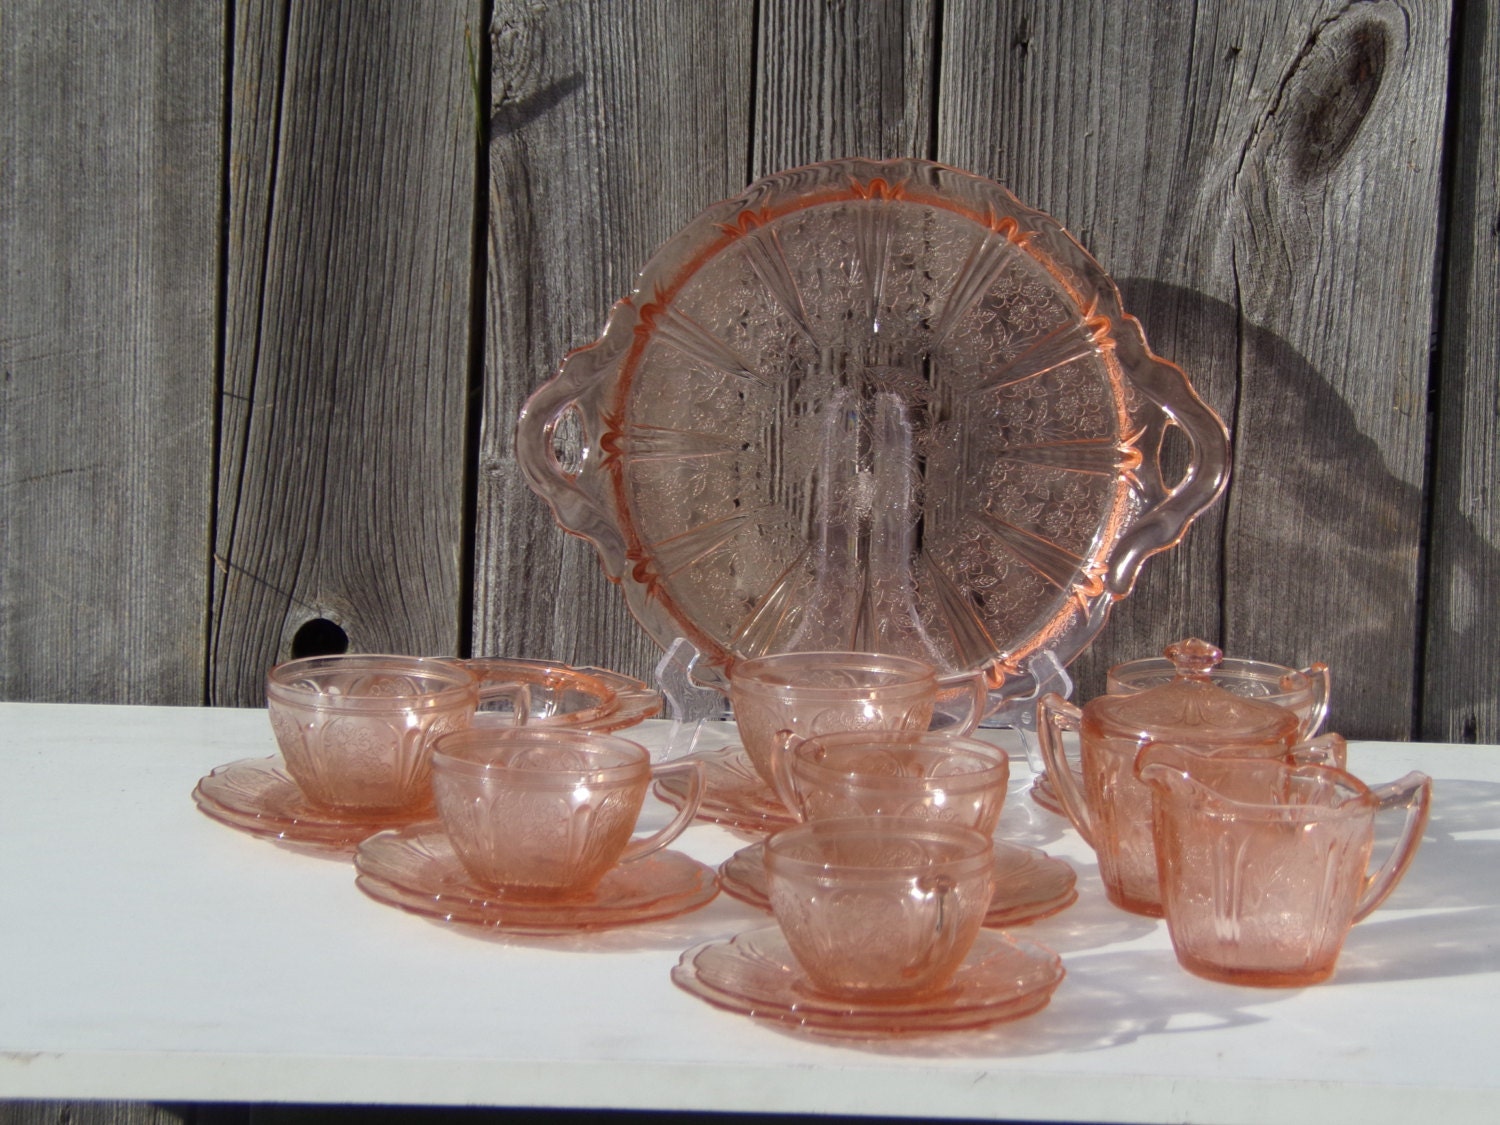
[
  {"x": 110, "y": 122},
  {"x": 610, "y": 129},
  {"x": 1461, "y": 702},
  {"x": 347, "y": 338},
  {"x": 831, "y": 80},
  {"x": 1262, "y": 180},
  {"x": 101, "y": 1113},
  {"x": 839, "y": 80}
]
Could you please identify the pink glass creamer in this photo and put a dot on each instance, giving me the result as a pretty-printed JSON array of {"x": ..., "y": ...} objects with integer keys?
[{"x": 1264, "y": 866}]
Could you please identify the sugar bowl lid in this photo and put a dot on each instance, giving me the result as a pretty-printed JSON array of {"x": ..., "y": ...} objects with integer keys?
[
  {"x": 1297, "y": 688},
  {"x": 1192, "y": 708}
]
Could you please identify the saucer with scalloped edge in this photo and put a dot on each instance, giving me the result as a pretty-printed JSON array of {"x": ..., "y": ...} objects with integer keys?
[
  {"x": 754, "y": 973},
  {"x": 415, "y": 869},
  {"x": 258, "y": 796}
]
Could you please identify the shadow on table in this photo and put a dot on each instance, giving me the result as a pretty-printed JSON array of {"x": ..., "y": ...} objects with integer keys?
[
  {"x": 1116, "y": 996},
  {"x": 1023, "y": 821},
  {"x": 1449, "y": 870}
]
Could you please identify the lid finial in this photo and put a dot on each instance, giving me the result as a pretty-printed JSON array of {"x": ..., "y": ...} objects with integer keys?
[{"x": 1193, "y": 657}]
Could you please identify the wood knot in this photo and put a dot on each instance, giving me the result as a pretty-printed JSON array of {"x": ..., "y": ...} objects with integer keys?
[{"x": 1335, "y": 89}]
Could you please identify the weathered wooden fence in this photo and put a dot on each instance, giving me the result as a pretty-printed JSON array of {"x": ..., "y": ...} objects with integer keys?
[{"x": 279, "y": 274}]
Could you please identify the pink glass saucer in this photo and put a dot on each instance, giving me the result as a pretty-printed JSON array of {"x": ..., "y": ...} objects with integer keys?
[
  {"x": 415, "y": 869},
  {"x": 1029, "y": 883},
  {"x": 754, "y": 974},
  {"x": 258, "y": 796},
  {"x": 735, "y": 795}
]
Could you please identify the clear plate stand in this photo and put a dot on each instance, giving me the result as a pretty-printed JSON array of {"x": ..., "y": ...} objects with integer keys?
[
  {"x": 1018, "y": 711},
  {"x": 690, "y": 705}
]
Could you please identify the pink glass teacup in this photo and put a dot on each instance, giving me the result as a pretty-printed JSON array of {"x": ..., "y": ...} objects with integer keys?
[
  {"x": 1264, "y": 867},
  {"x": 812, "y": 693},
  {"x": 542, "y": 813},
  {"x": 927, "y": 775},
  {"x": 548, "y": 694},
  {"x": 356, "y": 730},
  {"x": 879, "y": 908}
]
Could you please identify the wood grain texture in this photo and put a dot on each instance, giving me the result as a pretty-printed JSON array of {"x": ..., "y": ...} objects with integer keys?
[
  {"x": 576, "y": 211},
  {"x": 351, "y": 228},
  {"x": 105, "y": 1113},
  {"x": 610, "y": 129},
  {"x": 837, "y": 80},
  {"x": 110, "y": 125},
  {"x": 1262, "y": 181},
  {"x": 1461, "y": 696}
]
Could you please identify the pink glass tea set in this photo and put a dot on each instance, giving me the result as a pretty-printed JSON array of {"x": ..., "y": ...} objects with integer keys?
[{"x": 878, "y": 445}]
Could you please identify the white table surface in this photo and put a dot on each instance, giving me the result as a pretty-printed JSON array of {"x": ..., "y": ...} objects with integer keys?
[{"x": 147, "y": 952}]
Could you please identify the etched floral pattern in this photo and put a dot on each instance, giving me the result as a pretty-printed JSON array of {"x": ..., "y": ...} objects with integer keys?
[
  {"x": 878, "y": 406},
  {"x": 362, "y": 758},
  {"x": 872, "y": 916},
  {"x": 549, "y": 840}
]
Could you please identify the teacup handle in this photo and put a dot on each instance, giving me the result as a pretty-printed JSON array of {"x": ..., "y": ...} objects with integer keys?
[
  {"x": 782, "y": 778},
  {"x": 1413, "y": 793},
  {"x": 492, "y": 689},
  {"x": 936, "y": 890},
  {"x": 664, "y": 836},
  {"x": 1054, "y": 715},
  {"x": 519, "y": 695},
  {"x": 964, "y": 699}
]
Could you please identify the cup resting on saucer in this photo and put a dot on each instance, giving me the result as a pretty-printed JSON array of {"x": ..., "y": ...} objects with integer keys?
[{"x": 545, "y": 813}]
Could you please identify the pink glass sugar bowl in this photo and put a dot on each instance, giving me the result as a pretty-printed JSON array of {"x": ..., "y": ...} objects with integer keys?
[
  {"x": 1264, "y": 866},
  {"x": 1303, "y": 691},
  {"x": 1104, "y": 799}
]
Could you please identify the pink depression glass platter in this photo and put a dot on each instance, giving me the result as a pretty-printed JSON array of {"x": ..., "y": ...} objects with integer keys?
[{"x": 877, "y": 406}]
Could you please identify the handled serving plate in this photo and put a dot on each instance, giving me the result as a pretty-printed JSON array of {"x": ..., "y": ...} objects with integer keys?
[{"x": 872, "y": 406}]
